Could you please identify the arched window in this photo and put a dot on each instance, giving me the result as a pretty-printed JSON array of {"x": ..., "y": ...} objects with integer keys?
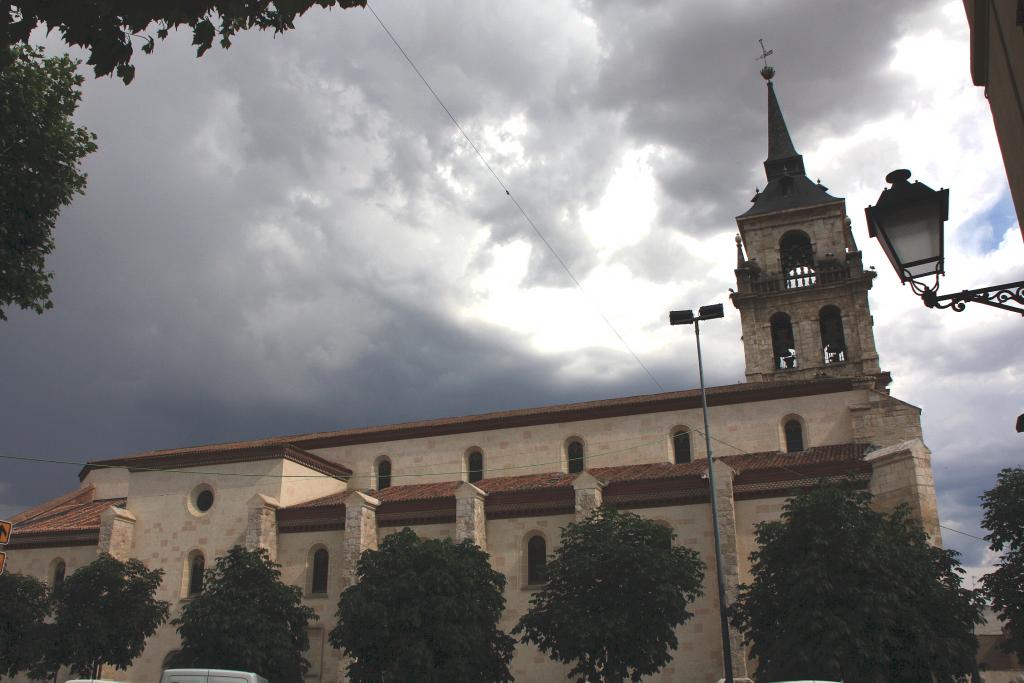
[
  {"x": 797, "y": 259},
  {"x": 783, "y": 344},
  {"x": 383, "y": 474},
  {"x": 794, "y": 436},
  {"x": 833, "y": 341},
  {"x": 59, "y": 569},
  {"x": 475, "y": 466},
  {"x": 681, "y": 445},
  {"x": 574, "y": 456},
  {"x": 536, "y": 560},
  {"x": 196, "y": 567},
  {"x": 321, "y": 561}
]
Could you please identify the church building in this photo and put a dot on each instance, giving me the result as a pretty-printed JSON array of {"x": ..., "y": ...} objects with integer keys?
[{"x": 814, "y": 405}]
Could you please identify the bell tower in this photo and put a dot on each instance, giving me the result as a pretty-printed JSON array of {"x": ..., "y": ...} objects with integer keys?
[{"x": 801, "y": 287}]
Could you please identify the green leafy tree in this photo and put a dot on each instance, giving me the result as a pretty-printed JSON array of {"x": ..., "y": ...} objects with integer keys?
[
  {"x": 105, "y": 28},
  {"x": 843, "y": 592},
  {"x": 105, "y": 611},
  {"x": 1004, "y": 519},
  {"x": 25, "y": 603},
  {"x": 41, "y": 151},
  {"x": 246, "y": 619},
  {"x": 424, "y": 610},
  {"x": 616, "y": 591}
]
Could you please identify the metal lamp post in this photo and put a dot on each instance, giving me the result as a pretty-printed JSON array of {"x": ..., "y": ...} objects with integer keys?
[
  {"x": 908, "y": 223},
  {"x": 687, "y": 318}
]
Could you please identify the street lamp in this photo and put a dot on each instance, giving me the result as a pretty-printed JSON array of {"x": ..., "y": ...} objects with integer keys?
[
  {"x": 908, "y": 223},
  {"x": 687, "y": 318}
]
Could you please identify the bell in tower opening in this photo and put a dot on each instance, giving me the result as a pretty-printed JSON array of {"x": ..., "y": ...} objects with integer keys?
[{"x": 802, "y": 291}]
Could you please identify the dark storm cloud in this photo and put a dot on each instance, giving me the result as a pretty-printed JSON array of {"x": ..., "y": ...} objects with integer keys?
[
  {"x": 965, "y": 380},
  {"x": 687, "y": 78},
  {"x": 254, "y": 257}
]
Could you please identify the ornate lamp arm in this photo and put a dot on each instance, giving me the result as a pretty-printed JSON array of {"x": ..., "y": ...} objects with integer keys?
[{"x": 1009, "y": 297}]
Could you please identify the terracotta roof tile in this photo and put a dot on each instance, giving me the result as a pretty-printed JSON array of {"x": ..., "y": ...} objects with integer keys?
[
  {"x": 527, "y": 482},
  {"x": 68, "y": 517},
  {"x": 82, "y": 495},
  {"x": 783, "y": 463},
  {"x": 812, "y": 456}
]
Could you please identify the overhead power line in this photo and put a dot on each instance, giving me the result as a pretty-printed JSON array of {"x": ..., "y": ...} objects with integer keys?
[
  {"x": 963, "y": 533},
  {"x": 515, "y": 201}
]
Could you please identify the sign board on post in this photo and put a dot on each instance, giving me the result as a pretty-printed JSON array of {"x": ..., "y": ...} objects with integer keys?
[{"x": 5, "y": 536}]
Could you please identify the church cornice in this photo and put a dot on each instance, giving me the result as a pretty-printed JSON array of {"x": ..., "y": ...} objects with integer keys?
[{"x": 220, "y": 455}]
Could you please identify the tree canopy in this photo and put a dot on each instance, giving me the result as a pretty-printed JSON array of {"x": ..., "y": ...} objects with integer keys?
[
  {"x": 246, "y": 619},
  {"x": 843, "y": 592},
  {"x": 41, "y": 150},
  {"x": 1004, "y": 520},
  {"x": 424, "y": 610},
  {"x": 616, "y": 590},
  {"x": 105, "y": 611},
  {"x": 25, "y": 602},
  {"x": 106, "y": 28}
]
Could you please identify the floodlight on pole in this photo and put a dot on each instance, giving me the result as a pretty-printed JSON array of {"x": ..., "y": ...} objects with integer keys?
[{"x": 686, "y": 317}]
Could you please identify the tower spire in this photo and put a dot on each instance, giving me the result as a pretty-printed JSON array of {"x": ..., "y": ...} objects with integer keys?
[
  {"x": 782, "y": 156},
  {"x": 788, "y": 185}
]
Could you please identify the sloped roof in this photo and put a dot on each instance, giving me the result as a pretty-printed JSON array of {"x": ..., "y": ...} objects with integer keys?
[
  {"x": 199, "y": 456},
  {"x": 787, "y": 465},
  {"x": 82, "y": 495},
  {"x": 71, "y": 519}
]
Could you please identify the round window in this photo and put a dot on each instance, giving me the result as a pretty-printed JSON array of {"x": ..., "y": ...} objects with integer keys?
[
  {"x": 204, "y": 501},
  {"x": 200, "y": 500}
]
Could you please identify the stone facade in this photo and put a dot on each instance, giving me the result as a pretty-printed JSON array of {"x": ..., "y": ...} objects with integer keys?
[
  {"x": 470, "y": 520},
  {"x": 838, "y": 279},
  {"x": 261, "y": 530},
  {"x": 588, "y": 494},
  {"x": 360, "y": 533},
  {"x": 902, "y": 475},
  {"x": 725, "y": 506},
  {"x": 117, "y": 528},
  {"x": 629, "y": 456}
]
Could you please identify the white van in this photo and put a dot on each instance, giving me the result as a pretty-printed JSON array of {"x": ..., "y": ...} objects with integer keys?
[{"x": 209, "y": 676}]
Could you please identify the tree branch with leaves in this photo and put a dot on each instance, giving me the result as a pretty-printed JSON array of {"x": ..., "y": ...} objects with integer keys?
[
  {"x": 1004, "y": 520},
  {"x": 841, "y": 591},
  {"x": 246, "y": 619},
  {"x": 425, "y": 611},
  {"x": 41, "y": 152},
  {"x": 616, "y": 590},
  {"x": 106, "y": 28}
]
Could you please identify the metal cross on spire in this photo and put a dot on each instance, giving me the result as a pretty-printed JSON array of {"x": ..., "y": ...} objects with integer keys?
[{"x": 766, "y": 71}]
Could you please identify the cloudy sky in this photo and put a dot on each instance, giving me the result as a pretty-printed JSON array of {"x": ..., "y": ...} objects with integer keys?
[{"x": 291, "y": 235}]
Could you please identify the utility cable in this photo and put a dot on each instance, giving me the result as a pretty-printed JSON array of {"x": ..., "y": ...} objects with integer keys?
[
  {"x": 515, "y": 201},
  {"x": 963, "y": 533}
]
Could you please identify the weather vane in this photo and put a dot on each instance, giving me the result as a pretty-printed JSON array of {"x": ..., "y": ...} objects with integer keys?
[{"x": 767, "y": 71}]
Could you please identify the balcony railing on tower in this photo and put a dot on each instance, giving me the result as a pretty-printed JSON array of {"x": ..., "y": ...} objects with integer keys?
[{"x": 803, "y": 276}]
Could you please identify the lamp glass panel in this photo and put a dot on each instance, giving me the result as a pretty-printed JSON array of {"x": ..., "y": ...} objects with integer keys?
[{"x": 915, "y": 233}]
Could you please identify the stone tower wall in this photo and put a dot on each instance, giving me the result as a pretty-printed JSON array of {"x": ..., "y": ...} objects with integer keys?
[{"x": 839, "y": 280}]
